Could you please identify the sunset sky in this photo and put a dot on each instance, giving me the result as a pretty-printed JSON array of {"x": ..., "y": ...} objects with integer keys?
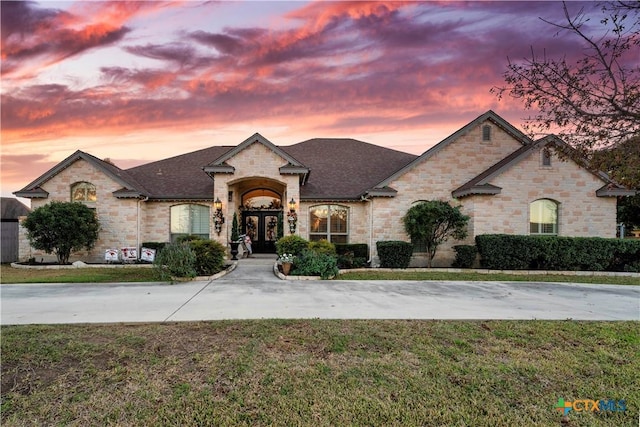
[{"x": 142, "y": 81}]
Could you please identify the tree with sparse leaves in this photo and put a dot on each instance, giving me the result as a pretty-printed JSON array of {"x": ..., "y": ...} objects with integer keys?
[
  {"x": 433, "y": 222},
  {"x": 593, "y": 102},
  {"x": 62, "y": 228}
]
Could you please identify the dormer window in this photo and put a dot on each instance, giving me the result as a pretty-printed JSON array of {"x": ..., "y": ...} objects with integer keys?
[
  {"x": 486, "y": 133},
  {"x": 83, "y": 192}
]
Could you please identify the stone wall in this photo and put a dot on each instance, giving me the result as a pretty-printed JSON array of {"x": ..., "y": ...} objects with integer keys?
[{"x": 118, "y": 217}]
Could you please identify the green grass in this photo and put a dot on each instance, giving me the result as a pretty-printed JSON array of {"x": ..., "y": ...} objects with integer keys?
[
  {"x": 500, "y": 277},
  {"x": 9, "y": 274},
  {"x": 319, "y": 372}
]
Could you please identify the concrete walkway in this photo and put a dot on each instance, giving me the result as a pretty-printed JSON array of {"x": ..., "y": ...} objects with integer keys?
[{"x": 252, "y": 291}]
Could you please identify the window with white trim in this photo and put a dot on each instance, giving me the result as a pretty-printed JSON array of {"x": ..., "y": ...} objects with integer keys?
[
  {"x": 189, "y": 219},
  {"x": 329, "y": 222},
  {"x": 543, "y": 217}
]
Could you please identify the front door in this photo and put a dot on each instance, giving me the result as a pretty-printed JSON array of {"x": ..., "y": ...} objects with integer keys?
[{"x": 262, "y": 227}]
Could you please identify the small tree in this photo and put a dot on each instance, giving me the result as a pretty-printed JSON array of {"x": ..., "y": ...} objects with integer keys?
[
  {"x": 234, "y": 228},
  {"x": 61, "y": 228},
  {"x": 433, "y": 222}
]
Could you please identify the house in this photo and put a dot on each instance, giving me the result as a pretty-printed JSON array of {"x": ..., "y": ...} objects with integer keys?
[
  {"x": 11, "y": 209},
  {"x": 342, "y": 190}
]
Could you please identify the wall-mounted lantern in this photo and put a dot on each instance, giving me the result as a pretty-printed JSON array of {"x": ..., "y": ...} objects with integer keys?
[
  {"x": 218, "y": 218},
  {"x": 292, "y": 217}
]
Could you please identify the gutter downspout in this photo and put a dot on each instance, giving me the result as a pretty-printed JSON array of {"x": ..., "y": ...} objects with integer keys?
[
  {"x": 364, "y": 198},
  {"x": 138, "y": 221}
]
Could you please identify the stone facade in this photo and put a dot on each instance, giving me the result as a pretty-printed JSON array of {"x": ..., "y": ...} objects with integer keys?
[
  {"x": 257, "y": 164},
  {"x": 119, "y": 218}
]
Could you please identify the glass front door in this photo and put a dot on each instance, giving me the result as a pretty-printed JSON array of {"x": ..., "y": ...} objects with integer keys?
[{"x": 262, "y": 227}]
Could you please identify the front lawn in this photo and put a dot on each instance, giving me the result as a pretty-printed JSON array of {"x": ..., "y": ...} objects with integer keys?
[
  {"x": 319, "y": 373},
  {"x": 374, "y": 274},
  {"x": 10, "y": 274}
]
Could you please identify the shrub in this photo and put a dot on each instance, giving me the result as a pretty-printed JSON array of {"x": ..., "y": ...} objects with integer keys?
[
  {"x": 291, "y": 244},
  {"x": 359, "y": 250},
  {"x": 209, "y": 256},
  {"x": 516, "y": 252},
  {"x": 433, "y": 222},
  {"x": 311, "y": 263},
  {"x": 352, "y": 255},
  {"x": 394, "y": 253},
  {"x": 323, "y": 246},
  {"x": 62, "y": 228},
  {"x": 188, "y": 238},
  {"x": 175, "y": 260},
  {"x": 465, "y": 256}
]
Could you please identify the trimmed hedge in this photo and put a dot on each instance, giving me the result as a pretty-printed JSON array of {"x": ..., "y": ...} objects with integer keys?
[
  {"x": 516, "y": 252},
  {"x": 465, "y": 256},
  {"x": 394, "y": 253},
  {"x": 352, "y": 255}
]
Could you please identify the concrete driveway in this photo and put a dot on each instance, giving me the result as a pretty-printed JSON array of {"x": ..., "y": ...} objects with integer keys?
[{"x": 251, "y": 291}]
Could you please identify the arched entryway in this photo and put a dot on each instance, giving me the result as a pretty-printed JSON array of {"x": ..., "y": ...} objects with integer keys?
[{"x": 260, "y": 210}]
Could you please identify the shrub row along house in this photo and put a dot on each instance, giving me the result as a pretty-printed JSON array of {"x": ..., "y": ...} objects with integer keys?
[{"x": 342, "y": 190}]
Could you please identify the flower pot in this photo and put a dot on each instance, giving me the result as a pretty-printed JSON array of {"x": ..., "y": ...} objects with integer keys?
[
  {"x": 234, "y": 250},
  {"x": 286, "y": 268}
]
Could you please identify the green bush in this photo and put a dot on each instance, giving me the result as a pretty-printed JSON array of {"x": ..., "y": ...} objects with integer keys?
[
  {"x": 394, "y": 253},
  {"x": 62, "y": 228},
  {"x": 465, "y": 256},
  {"x": 209, "y": 256},
  {"x": 359, "y": 250},
  {"x": 291, "y": 244},
  {"x": 515, "y": 252},
  {"x": 175, "y": 260},
  {"x": 323, "y": 246},
  {"x": 188, "y": 238},
  {"x": 311, "y": 263}
]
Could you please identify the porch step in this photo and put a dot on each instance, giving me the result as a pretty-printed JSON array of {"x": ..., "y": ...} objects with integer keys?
[{"x": 258, "y": 259}]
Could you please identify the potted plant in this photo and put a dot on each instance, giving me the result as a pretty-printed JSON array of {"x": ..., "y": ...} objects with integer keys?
[
  {"x": 286, "y": 260},
  {"x": 235, "y": 238}
]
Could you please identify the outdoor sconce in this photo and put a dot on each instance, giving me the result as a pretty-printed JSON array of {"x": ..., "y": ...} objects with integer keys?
[
  {"x": 292, "y": 217},
  {"x": 218, "y": 216}
]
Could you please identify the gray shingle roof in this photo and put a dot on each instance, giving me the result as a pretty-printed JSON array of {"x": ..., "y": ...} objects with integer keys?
[
  {"x": 180, "y": 177},
  {"x": 13, "y": 208},
  {"x": 344, "y": 169}
]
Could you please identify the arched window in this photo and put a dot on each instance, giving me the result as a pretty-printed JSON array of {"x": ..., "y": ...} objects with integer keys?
[
  {"x": 83, "y": 192},
  {"x": 330, "y": 222},
  {"x": 189, "y": 219},
  {"x": 543, "y": 217}
]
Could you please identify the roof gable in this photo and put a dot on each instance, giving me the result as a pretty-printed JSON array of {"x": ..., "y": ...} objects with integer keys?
[
  {"x": 291, "y": 165},
  {"x": 129, "y": 184},
  {"x": 481, "y": 184},
  {"x": 488, "y": 116}
]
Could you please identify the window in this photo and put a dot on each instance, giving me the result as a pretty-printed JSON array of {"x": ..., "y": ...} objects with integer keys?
[
  {"x": 543, "y": 217},
  {"x": 189, "y": 219},
  {"x": 486, "y": 133},
  {"x": 83, "y": 192},
  {"x": 546, "y": 157},
  {"x": 329, "y": 222}
]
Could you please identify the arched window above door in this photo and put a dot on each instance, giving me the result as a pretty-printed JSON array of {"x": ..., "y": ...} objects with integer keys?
[{"x": 261, "y": 198}]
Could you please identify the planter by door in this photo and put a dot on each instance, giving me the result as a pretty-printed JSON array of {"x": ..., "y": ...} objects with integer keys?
[
  {"x": 286, "y": 268},
  {"x": 234, "y": 250}
]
